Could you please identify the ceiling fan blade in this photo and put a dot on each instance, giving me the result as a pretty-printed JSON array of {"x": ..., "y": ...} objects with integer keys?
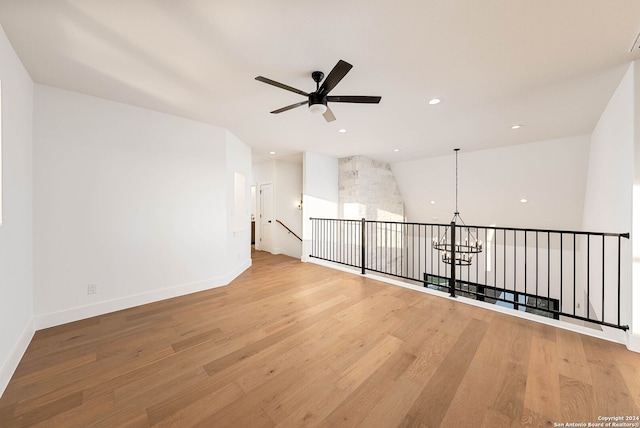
[
  {"x": 281, "y": 85},
  {"x": 292, "y": 106},
  {"x": 336, "y": 75},
  {"x": 354, "y": 99},
  {"x": 328, "y": 115}
]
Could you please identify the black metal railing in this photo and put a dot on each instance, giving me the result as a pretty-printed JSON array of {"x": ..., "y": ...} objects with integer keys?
[{"x": 553, "y": 273}]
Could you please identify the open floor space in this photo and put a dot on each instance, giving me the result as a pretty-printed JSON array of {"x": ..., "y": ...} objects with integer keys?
[{"x": 297, "y": 344}]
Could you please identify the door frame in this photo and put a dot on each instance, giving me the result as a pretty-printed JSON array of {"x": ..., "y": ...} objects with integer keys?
[{"x": 259, "y": 209}]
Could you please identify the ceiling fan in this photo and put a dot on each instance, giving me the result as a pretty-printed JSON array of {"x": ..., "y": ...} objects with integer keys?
[{"x": 318, "y": 100}]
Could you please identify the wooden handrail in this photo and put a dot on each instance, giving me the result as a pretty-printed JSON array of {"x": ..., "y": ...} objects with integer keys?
[{"x": 290, "y": 231}]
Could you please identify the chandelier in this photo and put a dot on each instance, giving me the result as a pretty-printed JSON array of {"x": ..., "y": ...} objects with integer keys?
[{"x": 462, "y": 252}]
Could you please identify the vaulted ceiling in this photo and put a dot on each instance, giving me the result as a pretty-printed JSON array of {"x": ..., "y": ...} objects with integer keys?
[{"x": 550, "y": 65}]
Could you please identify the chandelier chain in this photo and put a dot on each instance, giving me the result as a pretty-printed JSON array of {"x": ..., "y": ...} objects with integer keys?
[
  {"x": 456, "y": 150},
  {"x": 461, "y": 252}
]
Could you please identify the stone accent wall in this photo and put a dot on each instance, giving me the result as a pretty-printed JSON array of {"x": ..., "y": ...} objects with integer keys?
[{"x": 368, "y": 189}]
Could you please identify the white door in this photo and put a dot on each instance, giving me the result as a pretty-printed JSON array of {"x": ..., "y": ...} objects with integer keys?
[{"x": 266, "y": 217}]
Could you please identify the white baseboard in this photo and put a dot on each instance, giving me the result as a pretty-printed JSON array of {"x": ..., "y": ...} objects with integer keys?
[
  {"x": 633, "y": 343},
  {"x": 11, "y": 363},
  {"x": 88, "y": 311}
]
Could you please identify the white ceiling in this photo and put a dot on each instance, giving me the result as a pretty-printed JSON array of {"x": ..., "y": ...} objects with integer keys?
[{"x": 551, "y": 65}]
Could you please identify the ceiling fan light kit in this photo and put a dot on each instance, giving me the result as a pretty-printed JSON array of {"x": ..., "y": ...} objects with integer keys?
[
  {"x": 317, "y": 101},
  {"x": 318, "y": 108}
]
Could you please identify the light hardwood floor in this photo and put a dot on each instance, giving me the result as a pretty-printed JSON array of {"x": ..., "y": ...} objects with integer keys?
[{"x": 292, "y": 344}]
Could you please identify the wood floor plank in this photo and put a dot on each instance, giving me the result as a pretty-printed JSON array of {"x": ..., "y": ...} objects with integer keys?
[
  {"x": 361, "y": 369},
  {"x": 572, "y": 362},
  {"x": 577, "y": 401},
  {"x": 224, "y": 374},
  {"x": 512, "y": 387},
  {"x": 475, "y": 401},
  {"x": 429, "y": 357},
  {"x": 129, "y": 416},
  {"x": 290, "y": 398},
  {"x": 265, "y": 372},
  {"x": 197, "y": 339},
  {"x": 33, "y": 411},
  {"x": 70, "y": 363},
  {"x": 181, "y": 400},
  {"x": 197, "y": 410},
  {"x": 296, "y": 344},
  {"x": 412, "y": 421},
  {"x": 532, "y": 419},
  {"x": 542, "y": 396},
  {"x": 305, "y": 404},
  {"x": 69, "y": 328},
  {"x": 82, "y": 416},
  {"x": 263, "y": 397},
  {"x": 612, "y": 400},
  {"x": 491, "y": 419},
  {"x": 435, "y": 399},
  {"x": 505, "y": 351},
  {"x": 631, "y": 375},
  {"x": 353, "y": 410},
  {"x": 392, "y": 409},
  {"x": 256, "y": 418},
  {"x": 145, "y": 392}
]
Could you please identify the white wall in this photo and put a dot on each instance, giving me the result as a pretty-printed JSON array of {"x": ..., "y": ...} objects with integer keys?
[
  {"x": 238, "y": 238},
  {"x": 609, "y": 189},
  {"x": 286, "y": 180},
  {"x": 609, "y": 185},
  {"x": 16, "y": 232},
  {"x": 607, "y": 202},
  {"x": 549, "y": 174},
  {"x": 131, "y": 200},
  {"x": 321, "y": 194},
  {"x": 634, "y": 342},
  {"x": 287, "y": 196}
]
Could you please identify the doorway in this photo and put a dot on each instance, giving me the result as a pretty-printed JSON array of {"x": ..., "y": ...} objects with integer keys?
[{"x": 266, "y": 217}]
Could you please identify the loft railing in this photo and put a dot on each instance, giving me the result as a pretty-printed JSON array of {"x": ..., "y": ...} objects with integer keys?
[{"x": 552, "y": 273}]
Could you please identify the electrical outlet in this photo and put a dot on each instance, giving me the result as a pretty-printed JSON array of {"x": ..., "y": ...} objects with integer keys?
[{"x": 92, "y": 289}]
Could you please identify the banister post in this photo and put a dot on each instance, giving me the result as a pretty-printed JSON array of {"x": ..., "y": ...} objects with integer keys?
[
  {"x": 363, "y": 225},
  {"x": 452, "y": 278}
]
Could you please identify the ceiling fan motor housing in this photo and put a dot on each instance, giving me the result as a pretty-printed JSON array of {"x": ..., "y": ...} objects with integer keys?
[
  {"x": 316, "y": 98},
  {"x": 317, "y": 102}
]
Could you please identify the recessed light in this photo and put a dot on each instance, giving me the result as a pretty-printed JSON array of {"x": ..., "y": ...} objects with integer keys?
[
  {"x": 272, "y": 153},
  {"x": 523, "y": 200},
  {"x": 516, "y": 126},
  {"x": 396, "y": 150},
  {"x": 342, "y": 130},
  {"x": 433, "y": 202},
  {"x": 434, "y": 101}
]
